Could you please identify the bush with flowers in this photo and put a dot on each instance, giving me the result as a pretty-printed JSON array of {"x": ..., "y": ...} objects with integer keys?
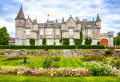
[
  {"x": 45, "y": 72},
  {"x": 99, "y": 68}
]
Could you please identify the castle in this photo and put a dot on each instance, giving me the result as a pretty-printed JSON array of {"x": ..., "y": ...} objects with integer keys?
[{"x": 53, "y": 31}]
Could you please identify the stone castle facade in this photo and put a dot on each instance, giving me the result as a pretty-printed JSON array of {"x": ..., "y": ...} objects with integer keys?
[{"x": 53, "y": 31}]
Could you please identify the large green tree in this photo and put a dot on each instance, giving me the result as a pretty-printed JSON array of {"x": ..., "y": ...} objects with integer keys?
[
  {"x": 4, "y": 36},
  {"x": 81, "y": 36}
]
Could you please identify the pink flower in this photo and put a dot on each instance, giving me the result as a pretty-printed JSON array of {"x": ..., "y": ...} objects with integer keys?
[
  {"x": 51, "y": 74},
  {"x": 71, "y": 75}
]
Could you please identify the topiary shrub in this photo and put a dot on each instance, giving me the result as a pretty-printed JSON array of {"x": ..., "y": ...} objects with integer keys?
[
  {"x": 47, "y": 62},
  {"x": 98, "y": 43},
  {"x": 32, "y": 41},
  {"x": 25, "y": 59},
  {"x": 108, "y": 52}
]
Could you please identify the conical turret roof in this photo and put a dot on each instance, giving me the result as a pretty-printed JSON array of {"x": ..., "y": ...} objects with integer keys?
[
  {"x": 98, "y": 18},
  {"x": 20, "y": 14}
]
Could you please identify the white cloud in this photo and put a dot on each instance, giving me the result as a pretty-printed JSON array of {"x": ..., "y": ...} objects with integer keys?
[{"x": 59, "y": 8}]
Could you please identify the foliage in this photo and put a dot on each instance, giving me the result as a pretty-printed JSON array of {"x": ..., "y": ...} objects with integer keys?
[
  {"x": 15, "y": 58},
  {"x": 56, "y": 58},
  {"x": 81, "y": 36},
  {"x": 93, "y": 57},
  {"x": 60, "y": 40},
  {"x": 47, "y": 62},
  {"x": 44, "y": 41},
  {"x": 4, "y": 36},
  {"x": 77, "y": 42},
  {"x": 98, "y": 43},
  {"x": 79, "y": 72},
  {"x": 116, "y": 40},
  {"x": 108, "y": 52},
  {"x": 115, "y": 63},
  {"x": 55, "y": 65},
  {"x": 32, "y": 41},
  {"x": 25, "y": 59},
  {"x": 91, "y": 47},
  {"x": 118, "y": 34},
  {"x": 99, "y": 68},
  {"x": 66, "y": 41},
  {"x": 88, "y": 41},
  {"x": 53, "y": 47}
]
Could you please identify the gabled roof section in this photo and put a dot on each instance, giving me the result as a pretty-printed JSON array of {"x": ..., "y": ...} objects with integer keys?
[
  {"x": 98, "y": 18},
  {"x": 70, "y": 18},
  {"x": 20, "y": 14}
]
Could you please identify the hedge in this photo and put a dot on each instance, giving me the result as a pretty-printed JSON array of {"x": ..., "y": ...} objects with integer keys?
[
  {"x": 91, "y": 47},
  {"x": 52, "y": 47}
]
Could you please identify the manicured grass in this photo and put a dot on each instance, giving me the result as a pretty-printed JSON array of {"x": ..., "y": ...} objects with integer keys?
[
  {"x": 37, "y": 62},
  {"x": 14, "y": 78}
]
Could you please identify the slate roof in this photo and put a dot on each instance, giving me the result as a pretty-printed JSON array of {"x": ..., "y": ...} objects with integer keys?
[{"x": 20, "y": 14}]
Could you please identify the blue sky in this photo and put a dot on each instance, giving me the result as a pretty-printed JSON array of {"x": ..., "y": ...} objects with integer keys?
[{"x": 109, "y": 11}]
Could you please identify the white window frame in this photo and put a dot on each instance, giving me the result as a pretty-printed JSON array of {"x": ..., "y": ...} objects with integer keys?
[
  {"x": 57, "y": 32},
  {"x": 49, "y": 31},
  {"x": 27, "y": 42},
  {"x": 88, "y": 31},
  {"x": 49, "y": 42},
  {"x": 71, "y": 41},
  {"x": 93, "y": 32},
  {"x": 57, "y": 42},
  {"x": 41, "y": 41},
  {"x": 27, "y": 31},
  {"x": 41, "y": 31},
  {"x": 71, "y": 31}
]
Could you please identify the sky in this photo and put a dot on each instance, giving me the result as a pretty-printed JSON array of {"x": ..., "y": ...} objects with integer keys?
[{"x": 109, "y": 12}]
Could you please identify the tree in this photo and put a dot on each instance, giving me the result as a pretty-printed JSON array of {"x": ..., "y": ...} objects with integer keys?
[
  {"x": 4, "y": 36},
  {"x": 44, "y": 42},
  {"x": 118, "y": 34},
  {"x": 60, "y": 40},
  {"x": 81, "y": 36},
  {"x": 117, "y": 40},
  {"x": 32, "y": 41},
  {"x": 77, "y": 41}
]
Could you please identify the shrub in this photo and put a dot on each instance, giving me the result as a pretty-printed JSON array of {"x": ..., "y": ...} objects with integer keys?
[
  {"x": 99, "y": 68},
  {"x": 91, "y": 47},
  {"x": 66, "y": 41},
  {"x": 25, "y": 61},
  {"x": 55, "y": 65},
  {"x": 98, "y": 43},
  {"x": 32, "y": 41},
  {"x": 56, "y": 58},
  {"x": 108, "y": 52},
  {"x": 44, "y": 42},
  {"x": 47, "y": 62},
  {"x": 88, "y": 41},
  {"x": 93, "y": 57},
  {"x": 15, "y": 58}
]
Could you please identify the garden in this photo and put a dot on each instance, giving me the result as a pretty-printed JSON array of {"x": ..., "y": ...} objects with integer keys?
[{"x": 85, "y": 65}]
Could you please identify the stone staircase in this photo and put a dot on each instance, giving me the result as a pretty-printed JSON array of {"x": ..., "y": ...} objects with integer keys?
[{"x": 67, "y": 54}]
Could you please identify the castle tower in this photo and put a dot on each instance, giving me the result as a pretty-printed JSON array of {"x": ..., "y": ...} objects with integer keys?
[
  {"x": 20, "y": 28},
  {"x": 98, "y": 21}
]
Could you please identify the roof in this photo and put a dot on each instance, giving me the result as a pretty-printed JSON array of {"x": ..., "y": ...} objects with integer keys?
[{"x": 20, "y": 14}]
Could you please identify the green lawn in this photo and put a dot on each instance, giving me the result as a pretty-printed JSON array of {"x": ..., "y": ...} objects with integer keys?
[
  {"x": 37, "y": 62},
  {"x": 13, "y": 78}
]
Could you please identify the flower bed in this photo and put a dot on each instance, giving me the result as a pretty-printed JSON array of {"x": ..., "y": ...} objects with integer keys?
[
  {"x": 45, "y": 72},
  {"x": 99, "y": 68}
]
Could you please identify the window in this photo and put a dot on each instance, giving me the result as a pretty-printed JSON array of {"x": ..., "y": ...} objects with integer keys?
[
  {"x": 57, "y": 42},
  {"x": 83, "y": 33},
  {"x": 40, "y": 42},
  {"x": 88, "y": 31},
  {"x": 49, "y": 42},
  {"x": 27, "y": 42},
  {"x": 27, "y": 31},
  {"x": 93, "y": 32},
  {"x": 71, "y": 31},
  {"x": 71, "y": 42},
  {"x": 41, "y": 32},
  {"x": 49, "y": 31},
  {"x": 58, "y": 32}
]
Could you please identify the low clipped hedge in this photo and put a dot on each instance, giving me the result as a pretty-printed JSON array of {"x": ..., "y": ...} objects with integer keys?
[
  {"x": 91, "y": 47},
  {"x": 52, "y": 47}
]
